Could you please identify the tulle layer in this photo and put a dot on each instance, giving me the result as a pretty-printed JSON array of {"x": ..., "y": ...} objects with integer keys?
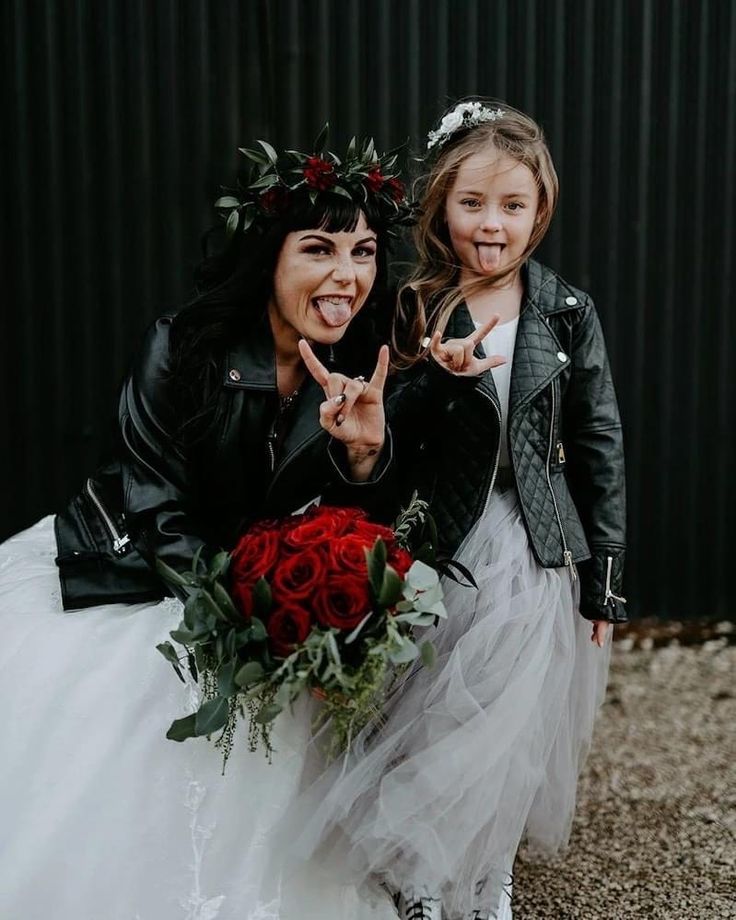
[
  {"x": 101, "y": 816},
  {"x": 484, "y": 747}
]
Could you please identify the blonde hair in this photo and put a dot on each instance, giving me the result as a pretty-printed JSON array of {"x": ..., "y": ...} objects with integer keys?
[{"x": 433, "y": 286}]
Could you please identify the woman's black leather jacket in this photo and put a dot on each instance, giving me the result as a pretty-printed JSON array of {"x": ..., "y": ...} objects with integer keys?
[
  {"x": 154, "y": 499},
  {"x": 564, "y": 433}
]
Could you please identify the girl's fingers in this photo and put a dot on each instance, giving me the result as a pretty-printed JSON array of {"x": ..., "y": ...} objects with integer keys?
[
  {"x": 485, "y": 364},
  {"x": 378, "y": 380},
  {"x": 600, "y": 631},
  {"x": 329, "y": 411},
  {"x": 313, "y": 364},
  {"x": 354, "y": 389},
  {"x": 482, "y": 331}
]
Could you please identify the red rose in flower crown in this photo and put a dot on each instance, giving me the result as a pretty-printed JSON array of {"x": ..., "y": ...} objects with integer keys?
[
  {"x": 396, "y": 190},
  {"x": 320, "y": 174},
  {"x": 275, "y": 200},
  {"x": 374, "y": 180}
]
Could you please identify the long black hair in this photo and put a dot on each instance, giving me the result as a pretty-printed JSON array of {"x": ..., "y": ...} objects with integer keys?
[{"x": 233, "y": 284}]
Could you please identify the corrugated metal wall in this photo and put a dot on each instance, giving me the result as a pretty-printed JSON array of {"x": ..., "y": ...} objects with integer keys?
[{"x": 120, "y": 119}]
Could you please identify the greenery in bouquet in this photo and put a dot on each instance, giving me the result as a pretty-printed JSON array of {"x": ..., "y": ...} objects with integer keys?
[{"x": 326, "y": 602}]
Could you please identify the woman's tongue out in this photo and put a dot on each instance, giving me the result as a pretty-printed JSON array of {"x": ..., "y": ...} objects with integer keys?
[
  {"x": 335, "y": 311},
  {"x": 489, "y": 256}
]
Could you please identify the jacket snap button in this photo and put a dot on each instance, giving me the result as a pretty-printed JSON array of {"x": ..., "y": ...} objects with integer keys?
[
  {"x": 234, "y": 374},
  {"x": 571, "y": 301},
  {"x": 561, "y": 356}
]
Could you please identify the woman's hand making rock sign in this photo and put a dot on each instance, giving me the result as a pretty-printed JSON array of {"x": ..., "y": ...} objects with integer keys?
[
  {"x": 353, "y": 410},
  {"x": 456, "y": 355}
]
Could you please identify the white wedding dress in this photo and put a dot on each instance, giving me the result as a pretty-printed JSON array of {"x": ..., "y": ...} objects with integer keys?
[{"x": 103, "y": 818}]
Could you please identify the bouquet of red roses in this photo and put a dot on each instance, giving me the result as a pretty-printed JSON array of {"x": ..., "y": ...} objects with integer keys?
[{"x": 323, "y": 602}]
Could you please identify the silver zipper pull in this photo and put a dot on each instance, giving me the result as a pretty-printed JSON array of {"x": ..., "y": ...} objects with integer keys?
[
  {"x": 567, "y": 556},
  {"x": 120, "y": 544},
  {"x": 560, "y": 452}
]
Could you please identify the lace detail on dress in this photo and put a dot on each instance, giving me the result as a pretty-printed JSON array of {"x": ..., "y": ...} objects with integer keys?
[{"x": 196, "y": 905}]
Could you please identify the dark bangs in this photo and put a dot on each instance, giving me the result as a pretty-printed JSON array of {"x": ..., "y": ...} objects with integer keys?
[{"x": 332, "y": 213}]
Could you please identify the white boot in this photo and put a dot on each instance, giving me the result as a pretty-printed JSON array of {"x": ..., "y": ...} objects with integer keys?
[{"x": 420, "y": 908}]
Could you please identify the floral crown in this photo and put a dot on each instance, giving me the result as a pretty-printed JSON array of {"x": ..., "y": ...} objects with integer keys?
[
  {"x": 271, "y": 182},
  {"x": 465, "y": 115}
]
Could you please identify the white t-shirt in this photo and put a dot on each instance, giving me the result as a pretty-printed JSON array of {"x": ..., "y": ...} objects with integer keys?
[{"x": 501, "y": 341}]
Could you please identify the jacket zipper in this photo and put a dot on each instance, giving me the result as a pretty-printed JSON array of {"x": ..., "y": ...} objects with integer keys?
[
  {"x": 498, "y": 451},
  {"x": 120, "y": 542},
  {"x": 270, "y": 442},
  {"x": 610, "y": 596},
  {"x": 566, "y": 554}
]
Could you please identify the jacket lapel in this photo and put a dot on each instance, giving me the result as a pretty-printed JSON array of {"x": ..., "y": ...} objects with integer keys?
[{"x": 538, "y": 355}]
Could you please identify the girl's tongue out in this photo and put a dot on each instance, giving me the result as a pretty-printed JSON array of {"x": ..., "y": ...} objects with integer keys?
[
  {"x": 335, "y": 312},
  {"x": 489, "y": 256}
]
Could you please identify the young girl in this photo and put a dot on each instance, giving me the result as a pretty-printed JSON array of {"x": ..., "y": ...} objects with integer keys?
[{"x": 524, "y": 471}]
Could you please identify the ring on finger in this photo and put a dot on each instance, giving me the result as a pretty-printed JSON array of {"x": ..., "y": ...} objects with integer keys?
[{"x": 362, "y": 381}]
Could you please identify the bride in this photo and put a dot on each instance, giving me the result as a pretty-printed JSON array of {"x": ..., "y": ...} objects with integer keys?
[{"x": 219, "y": 426}]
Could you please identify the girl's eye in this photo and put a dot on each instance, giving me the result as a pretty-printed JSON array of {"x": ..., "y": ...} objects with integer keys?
[
  {"x": 515, "y": 206},
  {"x": 470, "y": 203},
  {"x": 317, "y": 250},
  {"x": 364, "y": 252}
]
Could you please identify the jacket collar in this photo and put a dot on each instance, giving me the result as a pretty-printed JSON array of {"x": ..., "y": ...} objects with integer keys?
[
  {"x": 251, "y": 362},
  {"x": 538, "y": 354}
]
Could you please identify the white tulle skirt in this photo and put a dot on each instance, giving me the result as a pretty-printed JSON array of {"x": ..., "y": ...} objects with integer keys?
[
  {"x": 479, "y": 751},
  {"x": 100, "y": 815}
]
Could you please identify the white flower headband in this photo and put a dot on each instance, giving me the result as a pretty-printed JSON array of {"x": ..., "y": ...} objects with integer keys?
[{"x": 464, "y": 115}]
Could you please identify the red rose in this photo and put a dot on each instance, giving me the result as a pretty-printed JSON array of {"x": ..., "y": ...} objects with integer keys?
[
  {"x": 288, "y": 625},
  {"x": 342, "y": 601},
  {"x": 400, "y": 560},
  {"x": 374, "y": 180},
  {"x": 255, "y": 554},
  {"x": 296, "y": 576},
  {"x": 396, "y": 190},
  {"x": 347, "y": 554},
  {"x": 371, "y": 532},
  {"x": 320, "y": 174},
  {"x": 275, "y": 199},
  {"x": 315, "y": 527},
  {"x": 242, "y": 594}
]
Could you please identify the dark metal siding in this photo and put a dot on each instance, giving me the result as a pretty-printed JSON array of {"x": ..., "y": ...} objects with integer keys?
[{"x": 121, "y": 118}]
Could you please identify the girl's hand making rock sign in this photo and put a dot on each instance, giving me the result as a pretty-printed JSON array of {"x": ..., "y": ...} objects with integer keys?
[
  {"x": 456, "y": 355},
  {"x": 353, "y": 409}
]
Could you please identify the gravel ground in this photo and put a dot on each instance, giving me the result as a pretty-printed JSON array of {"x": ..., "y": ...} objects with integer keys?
[{"x": 655, "y": 832}]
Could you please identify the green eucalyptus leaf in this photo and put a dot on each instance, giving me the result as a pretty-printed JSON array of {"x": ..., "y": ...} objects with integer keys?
[
  {"x": 250, "y": 673},
  {"x": 429, "y": 655},
  {"x": 254, "y": 156},
  {"x": 168, "y": 651},
  {"x": 219, "y": 565},
  {"x": 269, "y": 151},
  {"x": 225, "y": 603},
  {"x": 265, "y": 181},
  {"x": 332, "y": 650},
  {"x": 312, "y": 197},
  {"x": 183, "y": 636},
  {"x": 352, "y": 148},
  {"x": 343, "y": 192},
  {"x": 390, "y": 592},
  {"x": 196, "y": 557},
  {"x": 249, "y": 215},
  {"x": 404, "y": 653},
  {"x": 376, "y": 560},
  {"x": 356, "y": 632},
  {"x": 211, "y": 716},
  {"x": 422, "y": 577},
  {"x": 262, "y": 598},
  {"x": 268, "y": 713},
  {"x": 258, "y": 630},
  {"x": 181, "y": 729},
  {"x": 192, "y": 662},
  {"x": 168, "y": 574},
  {"x": 226, "y": 678},
  {"x": 232, "y": 224},
  {"x": 227, "y": 201}
]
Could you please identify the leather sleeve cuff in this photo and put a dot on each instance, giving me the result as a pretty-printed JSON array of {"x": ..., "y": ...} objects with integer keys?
[
  {"x": 338, "y": 455},
  {"x": 601, "y": 579}
]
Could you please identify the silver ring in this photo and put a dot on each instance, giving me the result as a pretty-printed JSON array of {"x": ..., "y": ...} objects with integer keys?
[{"x": 362, "y": 380}]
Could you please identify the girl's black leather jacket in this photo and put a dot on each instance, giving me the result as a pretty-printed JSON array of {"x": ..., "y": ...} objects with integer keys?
[
  {"x": 154, "y": 500},
  {"x": 565, "y": 441}
]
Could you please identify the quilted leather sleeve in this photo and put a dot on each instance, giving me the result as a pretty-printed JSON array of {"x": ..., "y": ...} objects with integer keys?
[{"x": 596, "y": 469}]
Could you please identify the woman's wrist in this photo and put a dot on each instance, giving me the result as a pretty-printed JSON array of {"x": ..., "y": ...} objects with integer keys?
[{"x": 362, "y": 459}]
